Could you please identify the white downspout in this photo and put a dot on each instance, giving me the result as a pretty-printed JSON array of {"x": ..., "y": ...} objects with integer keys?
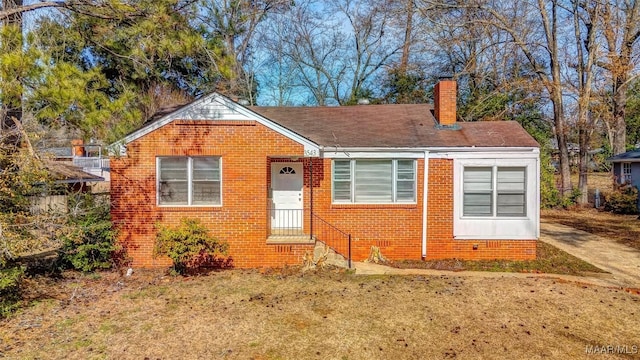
[
  {"x": 538, "y": 196},
  {"x": 425, "y": 196}
]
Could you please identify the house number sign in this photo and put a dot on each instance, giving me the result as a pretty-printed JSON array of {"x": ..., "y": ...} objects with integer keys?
[{"x": 310, "y": 152}]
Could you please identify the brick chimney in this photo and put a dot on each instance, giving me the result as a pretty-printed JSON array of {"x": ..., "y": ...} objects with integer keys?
[
  {"x": 444, "y": 102},
  {"x": 78, "y": 147}
]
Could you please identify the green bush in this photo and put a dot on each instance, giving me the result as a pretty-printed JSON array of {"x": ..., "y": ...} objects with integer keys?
[
  {"x": 549, "y": 194},
  {"x": 623, "y": 200},
  {"x": 10, "y": 281},
  {"x": 88, "y": 240},
  {"x": 189, "y": 245},
  {"x": 571, "y": 199}
]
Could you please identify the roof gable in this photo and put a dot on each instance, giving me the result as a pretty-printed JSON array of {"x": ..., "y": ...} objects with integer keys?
[{"x": 214, "y": 107}]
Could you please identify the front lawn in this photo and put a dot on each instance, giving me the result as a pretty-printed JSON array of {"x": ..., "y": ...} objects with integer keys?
[
  {"x": 328, "y": 315},
  {"x": 549, "y": 259}
]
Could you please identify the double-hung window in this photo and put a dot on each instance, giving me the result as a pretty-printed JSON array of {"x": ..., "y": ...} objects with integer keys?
[
  {"x": 370, "y": 181},
  {"x": 490, "y": 191},
  {"x": 189, "y": 181},
  {"x": 626, "y": 172}
]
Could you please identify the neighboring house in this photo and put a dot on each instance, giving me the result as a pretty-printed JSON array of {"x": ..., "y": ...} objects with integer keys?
[
  {"x": 594, "y": 163},
  {"x": 89, "y": 157},
  {"x": 67, "y": 179},
  {"x": 626, "y": 168},
  {"x": 272, "y": 180}
]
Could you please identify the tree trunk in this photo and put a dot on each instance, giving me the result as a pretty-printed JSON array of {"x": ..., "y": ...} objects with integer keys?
[
  {"x": 583, "y": 168},
  {"x": 406, "y": 46},
  {"x": 11, "y": 110},
  {"x": 585, "y": 79},
  {"x": 554, "y": 86},
  {"x": 561, "y": 136},
  {"x": 619, "y": 140},
  {"x": 621, "y": 32}
]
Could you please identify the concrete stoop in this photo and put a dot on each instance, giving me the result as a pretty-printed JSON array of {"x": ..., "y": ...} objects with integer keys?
[{"x": 321, "y": 250}]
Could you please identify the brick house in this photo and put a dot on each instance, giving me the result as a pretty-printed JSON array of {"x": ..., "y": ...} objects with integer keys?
[{"x": 273, "y": 180}]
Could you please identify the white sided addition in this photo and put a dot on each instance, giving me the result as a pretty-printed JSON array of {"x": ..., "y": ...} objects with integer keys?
[{"x": 496, "y": 197}]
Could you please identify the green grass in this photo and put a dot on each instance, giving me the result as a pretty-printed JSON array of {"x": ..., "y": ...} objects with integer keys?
[{"x": 549, "y": 259}]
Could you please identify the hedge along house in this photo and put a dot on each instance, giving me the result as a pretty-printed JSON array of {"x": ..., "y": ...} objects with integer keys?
[{"x": 271, "y": 181}]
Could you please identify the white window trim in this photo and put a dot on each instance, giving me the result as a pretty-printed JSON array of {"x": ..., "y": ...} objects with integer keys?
[
  {"x": 624, "y": 174},
  {"x": 497, "y": 227},
  {"x": 394, "y": 181},
  {"x": 494, "y": 193},
  {"x": 189, "y": 182}
]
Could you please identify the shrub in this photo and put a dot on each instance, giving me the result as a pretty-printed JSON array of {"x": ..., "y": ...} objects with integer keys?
[
  {"x": 549, "y": 194},
  {"x": 189, "y": 245},
  {"x": 623, "y": 200},
  {"x": 88, "y": 240},
  {"x": 10, "y": 281},
  {"x": 571, "y": 199}
]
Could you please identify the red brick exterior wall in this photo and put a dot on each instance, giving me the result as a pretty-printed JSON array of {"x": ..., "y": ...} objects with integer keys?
[
  {"x": 247, "y": 150},
  {"x": 395, "y": 228},
  {"x": 242, "y": 219}
]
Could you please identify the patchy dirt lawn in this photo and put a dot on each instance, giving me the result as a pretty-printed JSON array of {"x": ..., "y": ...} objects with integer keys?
[
  {"x": 330, "y": 315},
  {"x": 549, "y": 260}
]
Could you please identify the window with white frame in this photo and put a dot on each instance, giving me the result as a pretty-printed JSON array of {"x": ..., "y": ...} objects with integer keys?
[
  {"x": 626, "y": 172},
  {"x": 369, "y": 181},
  {"x": 189, "y": 181},
  {"x": 494, "y": 191}
]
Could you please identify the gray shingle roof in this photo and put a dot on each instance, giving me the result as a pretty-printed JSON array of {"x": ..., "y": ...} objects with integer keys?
[{"x": 633, "y": 155}]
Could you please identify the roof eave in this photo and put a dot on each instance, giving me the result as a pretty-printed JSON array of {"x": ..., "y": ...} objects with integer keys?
[
  {"x": 623, "y": 160},
  {"x": 436, "y": 148}
]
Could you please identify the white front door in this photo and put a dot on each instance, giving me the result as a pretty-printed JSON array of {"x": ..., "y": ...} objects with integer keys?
[{"x": 286, "y": 186}]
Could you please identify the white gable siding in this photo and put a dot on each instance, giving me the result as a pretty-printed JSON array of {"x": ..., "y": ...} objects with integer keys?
[{"x": 215, "y": 107}]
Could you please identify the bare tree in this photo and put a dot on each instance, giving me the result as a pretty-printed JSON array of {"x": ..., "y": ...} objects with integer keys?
[
  {"x": 236, "y": 23},
  {"x": 621, "y": 21},
  {"x": 372, "y": 47},
  {"x": 586, "y": 22},
  {"x": 485, "y": 62},
  {"x": 315, "y": 46},
  {"x": 533, "y": 27},
  {"x": 339, "y": 48},
  {"x": 277, "y": 77},
  {"x": 408, "y": 36}
]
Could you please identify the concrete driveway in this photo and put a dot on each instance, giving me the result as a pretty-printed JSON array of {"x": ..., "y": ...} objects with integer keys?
[{"x": 621, "y": 261}]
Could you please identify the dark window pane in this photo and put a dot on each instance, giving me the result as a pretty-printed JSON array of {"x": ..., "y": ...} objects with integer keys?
[
  {"x": 206, "y": 193},
  {"x": 173, "y": 193}
]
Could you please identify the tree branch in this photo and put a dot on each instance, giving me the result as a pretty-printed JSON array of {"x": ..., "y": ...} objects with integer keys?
[{"x": 4, "y": 14}]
